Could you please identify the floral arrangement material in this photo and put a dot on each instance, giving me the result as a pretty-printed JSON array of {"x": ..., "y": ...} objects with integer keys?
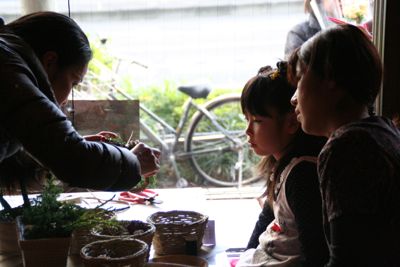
[
  {"x": 123, "y": 228},
  {"x": 355, "y": 10},
  {"x": 119, "y": 142},
  {"x": 146, "y": 182},
  {"x": 48, "y": 217}
]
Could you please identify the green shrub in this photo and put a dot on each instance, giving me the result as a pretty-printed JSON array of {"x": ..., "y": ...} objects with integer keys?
[{"x": 48, "y": 217}]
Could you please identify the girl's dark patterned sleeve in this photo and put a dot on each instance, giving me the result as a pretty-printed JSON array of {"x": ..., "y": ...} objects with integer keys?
[
  {"x": 264, "y": 219},
  {"x": 304, "y": 198}
]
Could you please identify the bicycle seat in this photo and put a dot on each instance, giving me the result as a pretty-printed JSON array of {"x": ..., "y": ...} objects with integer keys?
[{"x": 195, "y": 91}]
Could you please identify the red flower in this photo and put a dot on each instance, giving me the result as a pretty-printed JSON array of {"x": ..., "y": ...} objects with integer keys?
[{"x": 276, "y": 228}]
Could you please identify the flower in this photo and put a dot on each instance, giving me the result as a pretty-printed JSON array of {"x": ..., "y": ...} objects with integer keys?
[
  {"x": 274, "y": 75},
  {"x": 355, "y": 10},
  {"x": 276, "y": 228}
]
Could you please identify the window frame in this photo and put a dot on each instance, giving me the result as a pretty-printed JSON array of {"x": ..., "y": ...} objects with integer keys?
[{"x": 386, "y": 23}]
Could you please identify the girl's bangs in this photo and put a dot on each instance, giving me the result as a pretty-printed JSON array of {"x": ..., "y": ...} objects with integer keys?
[{"x": 253, "y": 98}]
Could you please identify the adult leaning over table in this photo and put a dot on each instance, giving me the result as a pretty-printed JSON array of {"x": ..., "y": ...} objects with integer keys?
[{"x": 42, "y": 57}]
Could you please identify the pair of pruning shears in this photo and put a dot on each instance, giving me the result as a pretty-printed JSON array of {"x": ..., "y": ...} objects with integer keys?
[{"x": 145, "y": 196}]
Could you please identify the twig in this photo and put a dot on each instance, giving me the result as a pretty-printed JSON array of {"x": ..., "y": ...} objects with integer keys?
[{"x": 105, "y": 202}]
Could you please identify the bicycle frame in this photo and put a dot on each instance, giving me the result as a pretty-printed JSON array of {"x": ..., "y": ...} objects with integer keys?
[
  {"x": 178, "y": 132},
  {"x": 171, "y": 148}
]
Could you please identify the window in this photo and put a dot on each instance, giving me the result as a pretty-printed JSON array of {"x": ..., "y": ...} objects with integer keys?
[{"x": 147, "y": 48}]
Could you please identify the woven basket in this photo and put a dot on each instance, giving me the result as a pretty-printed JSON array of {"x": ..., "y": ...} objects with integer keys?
[
  {"x": 115, "y": 252},
  {"x": 80, "y": 238},
  {"x": 134, "y": 229},
  {"x": 83, "y": 236},
  {"x": 176, "y": 231}
]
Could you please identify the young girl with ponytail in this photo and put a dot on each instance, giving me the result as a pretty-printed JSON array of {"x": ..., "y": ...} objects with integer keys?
[{"x": 289, "y": 230}]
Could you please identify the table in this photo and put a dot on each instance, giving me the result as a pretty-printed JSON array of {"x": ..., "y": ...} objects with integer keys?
[{"x": 234, "y": 219}]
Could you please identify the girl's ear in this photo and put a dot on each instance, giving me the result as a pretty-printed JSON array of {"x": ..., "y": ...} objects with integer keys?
[
  {"x": 50, "y": 63},
  {"x": 292, "y": 125}
]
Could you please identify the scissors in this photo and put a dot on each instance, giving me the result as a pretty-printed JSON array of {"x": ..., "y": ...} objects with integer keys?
[{"x": 146, "y": 196}]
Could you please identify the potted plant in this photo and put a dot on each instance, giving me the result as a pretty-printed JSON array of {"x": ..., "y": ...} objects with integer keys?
[
  {"x": 45, "y": 228},
  {"x": 8, "y": 235},
  {"x": 13, "y": 170}
]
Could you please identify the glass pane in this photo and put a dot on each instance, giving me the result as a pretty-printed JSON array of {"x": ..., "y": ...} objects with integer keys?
[{"x": 145, "y": 49}]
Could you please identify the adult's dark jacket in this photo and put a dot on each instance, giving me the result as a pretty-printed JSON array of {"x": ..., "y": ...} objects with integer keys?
[
  {"x": 31, "y": 119},
  {"x": 300, "y": 33}
]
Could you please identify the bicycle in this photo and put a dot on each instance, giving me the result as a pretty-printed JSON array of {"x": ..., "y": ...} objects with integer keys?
[{"x": 215, "y": 142}]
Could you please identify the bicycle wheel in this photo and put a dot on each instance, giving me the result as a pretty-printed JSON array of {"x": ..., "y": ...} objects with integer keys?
[{"x": 216, "y": 153}]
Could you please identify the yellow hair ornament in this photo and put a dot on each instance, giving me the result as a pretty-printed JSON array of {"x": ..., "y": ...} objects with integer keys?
[{"x": 274, "y": 75}]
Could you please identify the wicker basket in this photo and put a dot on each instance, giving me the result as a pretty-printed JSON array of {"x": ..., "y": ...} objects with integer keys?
[
  {"x": 83, "y": 236},
  {"x": 80, "y": 238},
  {"x": 134, "y": 229},
  {"x": 178, "y": 231},
  {"x": 115, "y": 252}
]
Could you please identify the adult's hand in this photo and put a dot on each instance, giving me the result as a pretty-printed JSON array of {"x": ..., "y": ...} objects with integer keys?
[{"x": 149, "y": 159}]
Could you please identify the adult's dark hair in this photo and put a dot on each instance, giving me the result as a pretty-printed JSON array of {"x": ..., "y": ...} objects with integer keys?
[
  {"x": 270, "y": 91},
  {"x": 345, "y": 55},
  {"x": 50, "y": 31}
]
